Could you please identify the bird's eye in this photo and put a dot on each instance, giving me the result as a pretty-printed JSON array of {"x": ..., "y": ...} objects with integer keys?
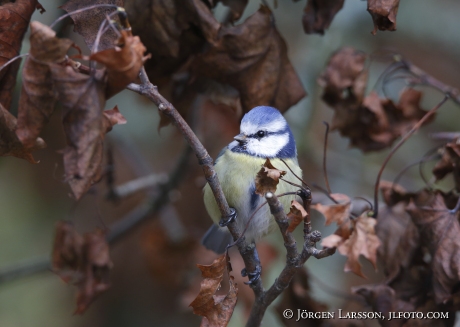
[{"x": 261, "y": 133}]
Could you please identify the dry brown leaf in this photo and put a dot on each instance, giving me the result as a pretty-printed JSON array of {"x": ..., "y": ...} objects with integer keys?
[
  {"x": 10, "y": 145},
  {"x": 439, "y": 229},
  {"x": 399, "y": 237},
  {"x": 96, "y": 265},
  {"x": 318, "y": 15},
  {"x": 67, "y": 247},
  {"x": 252, "y": 57},
  {"x": 83, "y": 99},
  {"x": 217, "y": 309},
  {"x": 295, "y": 216},
  {"x": 383, "y": 14},
  {"x": 123, "y": 62},
  {"x": 38, "y": 95},
  {"x": 335, "y": 212},
  {"x": 449, "y": 163},
  {"x": 268, "y": 178},
  {"x": 298, "y": 295},
  {"x": 83, "y": 261},
  {"x": 111, "y": 118},
  {"x": 14, "y": 20},
  {"x": 87, "y": 23},
  {"x": 236, "y": 7},
  {"x": 362, "y": 241}
]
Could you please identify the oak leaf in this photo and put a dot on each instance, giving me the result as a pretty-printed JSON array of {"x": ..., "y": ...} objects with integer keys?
[
  {"x": 10, "y": 145},
  {"x": 122, "y": 62},
  {"x": 14, "y": 20},
  {"x": 217, "y": 310},
  {"x": 38, "y": 95},
  {"x": 318, "y": 15},
  {"x": 268, "y": 178},
  {"x": 383, "y": 14},
  {"x": 87, "y": 23}
]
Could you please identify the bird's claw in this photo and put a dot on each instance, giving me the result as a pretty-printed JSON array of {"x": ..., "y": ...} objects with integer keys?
[
  {"x": 224, "y": 221},
  {"x": 253, "y": 276}
]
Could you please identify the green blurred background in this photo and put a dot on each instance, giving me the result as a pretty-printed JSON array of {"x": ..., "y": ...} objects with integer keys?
[{"x": 34, "y": 197}]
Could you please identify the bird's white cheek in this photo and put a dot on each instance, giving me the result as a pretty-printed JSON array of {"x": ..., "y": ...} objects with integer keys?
[{"x": 268, "y": 146}]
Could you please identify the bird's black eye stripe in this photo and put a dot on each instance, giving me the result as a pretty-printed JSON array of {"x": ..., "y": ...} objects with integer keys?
[{"x": 261, "y": 133}]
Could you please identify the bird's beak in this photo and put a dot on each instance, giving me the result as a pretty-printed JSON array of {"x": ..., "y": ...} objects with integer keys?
[{"x": 241, "y": 138}]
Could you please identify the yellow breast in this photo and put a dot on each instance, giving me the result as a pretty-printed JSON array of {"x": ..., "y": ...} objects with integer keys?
[{"x": 236, "y": 173}]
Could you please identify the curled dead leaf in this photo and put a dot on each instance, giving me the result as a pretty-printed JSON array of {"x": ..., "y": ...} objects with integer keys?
[
  {"x": 38, "y": 94},
  {"x": 123, "y": 62},
  {"x": 14, "y": 20},
  {"x": 449, "y": 163},
  {"x": 383, "y": 14},
  {"x": 295, "y": 216},
  {"x": 361, "y": 241},
  {"x": 87, "y": 23},
  {"x": 439, "y": 229},
  {"x": 83, "y": 261},
  {"x": 216, "y": 309},
  {"x": 318, "y": 15},
  {"x": 268, "y": 178},
  {"x": 10, "y": 145}
]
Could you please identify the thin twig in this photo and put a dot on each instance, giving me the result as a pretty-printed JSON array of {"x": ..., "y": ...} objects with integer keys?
[
  {"x": 247, "y": 250},
  {"x": 400, "y": 143},
  {"x": 326, "y": 135}
]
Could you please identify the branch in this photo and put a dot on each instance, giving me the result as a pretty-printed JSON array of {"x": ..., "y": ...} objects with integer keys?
[
  {"x": 421, "y": 77},
  {"x": 247, "y": 250},
  {"x": 294, "y": 260}
]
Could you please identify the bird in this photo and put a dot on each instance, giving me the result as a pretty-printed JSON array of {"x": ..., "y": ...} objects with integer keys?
[{"x": 264, "y": 133}]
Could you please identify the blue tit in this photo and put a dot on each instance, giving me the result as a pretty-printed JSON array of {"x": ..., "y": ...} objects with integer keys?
[{"x": 264, "y": 133}]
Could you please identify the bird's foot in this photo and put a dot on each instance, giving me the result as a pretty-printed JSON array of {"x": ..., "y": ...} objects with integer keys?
[
  {"x": 224, "y": 221},
  {"x": 253, "y": 276}
]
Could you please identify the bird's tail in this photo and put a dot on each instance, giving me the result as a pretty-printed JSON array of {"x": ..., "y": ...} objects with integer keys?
[{"x": 217, "y": 239}]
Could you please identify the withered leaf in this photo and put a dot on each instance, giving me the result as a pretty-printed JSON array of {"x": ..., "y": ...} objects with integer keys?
[
  {"x": 383, "y": 14},
  {"x": 399, "y": 238},
  {"x": 38, "y": 96},
  {"x": 87, "y": 23},
  {"x": 296, "y": 215},
  {"x": 362, "y": 241},
  {"x": 123, "y": 62},
  {"x": 268, "y": 178},
  {"x": 67, "y": 247},
  {"x": 217, "y": 309},
  {"x": 439, "y": 229},
  {"x": 298, "y": 295},
  {"x": 83, "y": 99},
  {"x": 336, "y": 212},
  {"x": 112, "y": 117},
  {"x": 318, "y": 15},
  {"x": 10, "y": 145},
  {"x": 252, "y": 57},
  {"x": 450, "y": 162},
  {"x": 96, "y": 265},
  {"x": 172, "y": 31},
  {"x": 14, "y": 20},
  {"x": 344, "y": 79},
  {"x": 383, "y": 298},
  {"x": 83, "y": 261}
]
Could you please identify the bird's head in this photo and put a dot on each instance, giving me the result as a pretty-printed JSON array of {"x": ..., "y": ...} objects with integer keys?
[{"x": 264, "y": 133}]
